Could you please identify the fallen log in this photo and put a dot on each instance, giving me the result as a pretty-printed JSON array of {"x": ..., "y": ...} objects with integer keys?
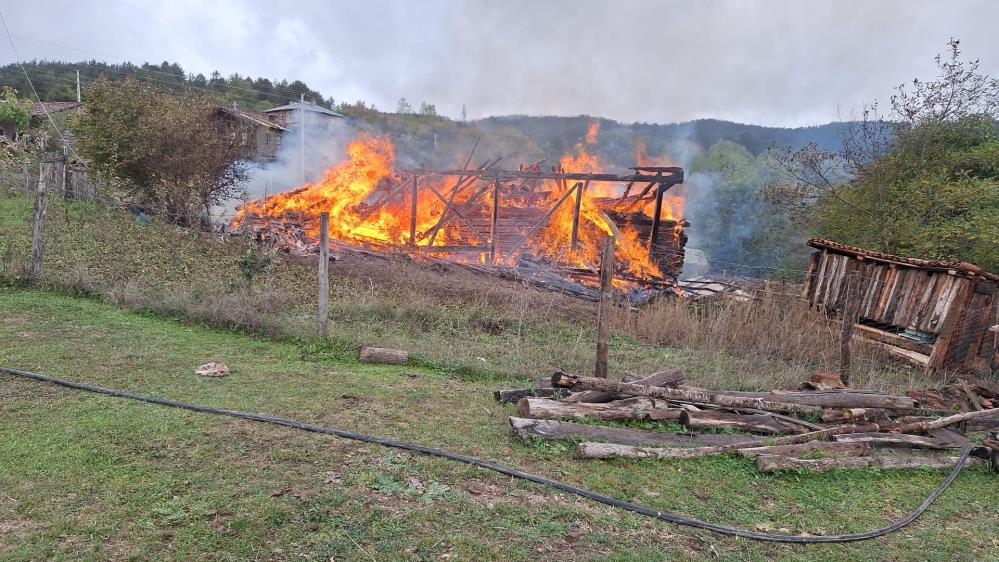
[
  {"x": 589, "y": 450},
  {"x": 923, "y": 426},
  {"x": 383, "y": 355},
  {"x": 825, "y": 447},
  {"x": 638, "y": 408},
  {"x": 667, "y": 378},
  {"x": 772, "y": 463},
  {"x": 515, "y": 394},
  {"x": 895, "y": 441},
  {"x": 548, "y": 429},
  {"x": 826, "y": 398},
  {"x": 576, "y": 382},
  {"x": 755, "y": 423}
]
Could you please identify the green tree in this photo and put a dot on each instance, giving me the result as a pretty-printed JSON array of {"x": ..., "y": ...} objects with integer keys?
[
  {"x": 170, "y": 152},
  {"x": 15, "y": 113},
  {"x": 924, "y": 181}
]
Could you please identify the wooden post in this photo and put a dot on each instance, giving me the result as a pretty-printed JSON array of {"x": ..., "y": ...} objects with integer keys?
[
  {"x": 604, "y": 307},
  {"x": 849, "y": 316},
  {"x": 654, "y": 238},
  {"x": 575, "y": 217},
  {"x": 38, "y": 225},
  {"x": 324, "y": 277},
  {"x": 412, "y": 212},
  {"x": 27, "y": 179},
  {"x": 492, "y": 223}
]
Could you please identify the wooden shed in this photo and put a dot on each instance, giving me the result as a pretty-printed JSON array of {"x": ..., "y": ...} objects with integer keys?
[{"x": 932, "y": 313}]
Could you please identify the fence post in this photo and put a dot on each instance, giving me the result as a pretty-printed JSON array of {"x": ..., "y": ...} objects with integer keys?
[
  {"x": 38, "y": 225},
  {"x": 27, "y": 180},
  {"x": 604, "y": 307},
  {"x": 324, "y": 277}
]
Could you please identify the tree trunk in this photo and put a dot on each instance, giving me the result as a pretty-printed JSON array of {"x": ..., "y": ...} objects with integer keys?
[
  {"x": 896, "y": 440},
  {"x": 383, "y": 355},
  {"x": 547, "y": 429},
  {"x": 605, "y": 450},
  {"x": 711, "y": 419},
  {"x": 826, "y": 447},
  {"x": 513, "y": 395},
  {"x": 638, "y": 408},
  {"x": 825, "y": 398},
  {"x": 667, "y": 378},
  {"x": 576, "y": 382},
  {"x": 923, "y": 426},
  {"x": 772, "y": 463}
]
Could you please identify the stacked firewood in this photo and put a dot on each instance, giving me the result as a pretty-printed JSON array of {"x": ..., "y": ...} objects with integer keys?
[{"x": 816, "y": 429}]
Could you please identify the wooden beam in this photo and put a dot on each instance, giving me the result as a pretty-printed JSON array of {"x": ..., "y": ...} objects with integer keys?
[
  {"x": 412, "y": 212},
  {"x": 575, "y": 217},
  {"x": 493, "y": 235}
]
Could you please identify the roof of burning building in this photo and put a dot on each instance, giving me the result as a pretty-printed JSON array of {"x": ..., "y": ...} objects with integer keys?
[{"x": 960, "y": 268}]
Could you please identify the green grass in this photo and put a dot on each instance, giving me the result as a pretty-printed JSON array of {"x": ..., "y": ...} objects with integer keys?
[{"x": 86, "y": 477}]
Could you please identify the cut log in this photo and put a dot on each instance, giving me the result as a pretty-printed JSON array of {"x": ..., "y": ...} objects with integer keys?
[
  {"x": 548, "y": 429},
  {"x": 833, "y": 448},
  {"x": 923, "y": 426},
  {"x": 895, "y": 441},
  {"x": 589, "y": 450},
  {"x": 713, "y": 419},
  {"x": 667, "y": 378},
  {"x": 638, "y": 408},
  {"x": 383, "y": 355},
  {"x": 515, "y": 394},
  {"x": 773, "y": 463},
  {"x": 825, "y": 398},
  {"x": 576, "y": 382}
]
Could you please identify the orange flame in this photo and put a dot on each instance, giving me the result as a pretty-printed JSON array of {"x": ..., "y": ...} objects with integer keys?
[
  {"x": 367, "y": 204},
  {"x": 591, "y": 132}
]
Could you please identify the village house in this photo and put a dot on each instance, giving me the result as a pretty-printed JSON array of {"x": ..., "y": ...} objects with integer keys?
[
  {"x": 317, "y": 118},
  {"x": 259, "y": 137}
]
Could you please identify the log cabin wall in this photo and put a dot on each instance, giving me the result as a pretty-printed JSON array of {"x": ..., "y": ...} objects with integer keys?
[{"x": 936, "y": 314}]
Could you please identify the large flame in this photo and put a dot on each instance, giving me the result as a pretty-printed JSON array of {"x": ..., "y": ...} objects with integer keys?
[
  {"x": 367, "y": 204},
  {"x": 344, "y": 193}
]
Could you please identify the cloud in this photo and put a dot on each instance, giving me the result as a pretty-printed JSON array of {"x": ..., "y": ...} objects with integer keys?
[{"x": 776, "y": 62}]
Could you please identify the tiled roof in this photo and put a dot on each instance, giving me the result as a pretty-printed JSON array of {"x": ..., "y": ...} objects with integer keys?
[
  {"x": 964, "y": 268},
  {"x": 39, "y": 108}
]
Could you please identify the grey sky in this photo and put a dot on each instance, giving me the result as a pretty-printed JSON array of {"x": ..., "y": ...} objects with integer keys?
[{"x": 770, "y": 62}]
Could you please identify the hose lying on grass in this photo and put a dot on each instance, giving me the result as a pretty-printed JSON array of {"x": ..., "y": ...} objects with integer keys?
[{"x": 509, "y": 471}]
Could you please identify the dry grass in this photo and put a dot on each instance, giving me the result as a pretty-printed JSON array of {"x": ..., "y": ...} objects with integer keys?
[
  {"x": 471, "y": 324},
  {"x": 777, "y": 338}
]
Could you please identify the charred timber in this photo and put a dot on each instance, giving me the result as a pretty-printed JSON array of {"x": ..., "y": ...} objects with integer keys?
[{"x": 676, "y": 177}]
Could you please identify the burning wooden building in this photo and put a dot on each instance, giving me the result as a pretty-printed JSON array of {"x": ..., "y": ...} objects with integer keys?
[
  {"x": 556, "y": 219},
  {"x": 936, "y": 314}
]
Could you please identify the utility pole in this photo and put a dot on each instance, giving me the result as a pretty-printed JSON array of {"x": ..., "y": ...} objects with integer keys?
[
  {"x": 301, "y": 138},
  {"x": 78, "y": 97}
]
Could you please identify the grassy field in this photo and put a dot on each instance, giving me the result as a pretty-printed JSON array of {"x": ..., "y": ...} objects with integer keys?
[
  {"x": 85, "y": 477},
  {"x": 469, "y": 324}
]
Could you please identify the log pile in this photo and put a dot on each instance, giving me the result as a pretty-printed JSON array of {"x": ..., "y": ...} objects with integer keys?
[{"x": 818, "y": 430}]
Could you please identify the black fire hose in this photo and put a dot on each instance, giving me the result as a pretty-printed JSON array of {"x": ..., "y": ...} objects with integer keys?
[{"x": 509, "y": 471}]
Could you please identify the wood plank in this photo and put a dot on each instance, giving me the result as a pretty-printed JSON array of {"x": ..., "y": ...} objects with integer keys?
[{"x": 773, "y": 463}]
